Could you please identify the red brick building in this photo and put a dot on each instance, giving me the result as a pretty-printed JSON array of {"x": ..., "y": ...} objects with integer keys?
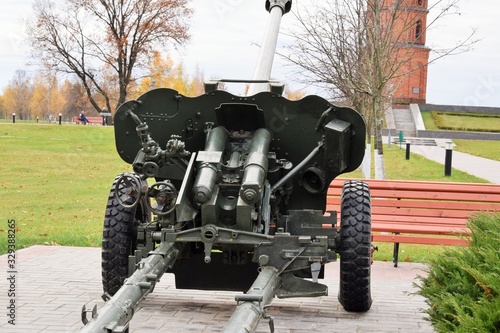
[{"x": 411, "y": 54}]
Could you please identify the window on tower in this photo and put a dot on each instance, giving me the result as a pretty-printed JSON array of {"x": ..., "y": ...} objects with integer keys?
[
  {"x": 420, "y": 2},
  {"x": 418, "y": 32}
]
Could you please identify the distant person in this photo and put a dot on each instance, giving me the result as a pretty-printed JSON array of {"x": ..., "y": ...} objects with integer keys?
[{"x": 83, "y": 118}]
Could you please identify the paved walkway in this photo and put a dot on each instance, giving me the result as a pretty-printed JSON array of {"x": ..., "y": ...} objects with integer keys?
[
  {"x": 53, "y": 283},
  {"x": 474, "y": 165},
  {"x": 477, "y": 166}
]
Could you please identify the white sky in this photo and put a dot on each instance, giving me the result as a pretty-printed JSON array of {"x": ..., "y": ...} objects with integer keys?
[{"x": 225, "y": 33}]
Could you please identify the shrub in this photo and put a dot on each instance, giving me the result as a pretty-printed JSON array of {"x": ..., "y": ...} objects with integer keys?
[{"x": 462, "y": 286}]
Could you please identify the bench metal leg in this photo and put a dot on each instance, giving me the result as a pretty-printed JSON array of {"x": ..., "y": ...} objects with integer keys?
[{"x": 395, "y": 254}]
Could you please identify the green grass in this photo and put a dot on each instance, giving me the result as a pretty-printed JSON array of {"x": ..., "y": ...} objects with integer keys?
[
  {"x": 484, "y": 148},
  {"x": 416, "y": 168},
  {"x": 467, "y": 122},
  {"x": 55, "y": 181},
  {"x": 435, "y": 121},
  {"x": 429, "y": 123}
]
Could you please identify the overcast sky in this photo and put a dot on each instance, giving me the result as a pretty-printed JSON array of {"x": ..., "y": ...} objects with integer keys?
[{"x": 225, "y": 33}]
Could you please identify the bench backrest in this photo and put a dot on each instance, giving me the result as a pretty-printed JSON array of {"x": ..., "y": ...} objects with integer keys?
[{"x": 433, "y": 204}]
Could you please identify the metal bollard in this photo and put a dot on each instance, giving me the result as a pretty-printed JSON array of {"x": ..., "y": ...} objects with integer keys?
[
  {"x": 447, "y": 159},
  {"x": 13, "y": 117},
  {"x": 60, "y": 118},
  {"x": 408, "y": 142}
]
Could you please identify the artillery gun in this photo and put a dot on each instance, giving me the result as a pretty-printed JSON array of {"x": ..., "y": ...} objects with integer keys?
[{"x": 236, "y": 198}]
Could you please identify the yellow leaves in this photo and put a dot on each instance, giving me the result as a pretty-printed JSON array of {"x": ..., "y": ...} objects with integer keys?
[
  {"x": 294, "y": 95},
  {"x": 164, "y": 73},
  {"x": 37, "y": 98},
  {"x": 9, "y": 98}
]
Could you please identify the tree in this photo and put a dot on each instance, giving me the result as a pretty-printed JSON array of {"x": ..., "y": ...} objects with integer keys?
[
  {"x": 358, "y": 48},
  {"x": 17, "y": 95},
  {"x": 162, "y": 72},
  {"x": 3, "y": 110},
  {"x": 102, "y": 42},
  {"x": 47, "y": 99},
  {"x": 75, "y": 99},
  {"x": 39, "y": 102},
  {"x": 294, "y": 95}
]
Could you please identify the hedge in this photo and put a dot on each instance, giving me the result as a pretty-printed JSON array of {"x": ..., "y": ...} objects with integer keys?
[
  {"x": 436, "y": 116},
  {"x": 462, "y": 286}
]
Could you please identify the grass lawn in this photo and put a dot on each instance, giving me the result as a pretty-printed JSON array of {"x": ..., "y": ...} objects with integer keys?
[
  {"x": 55, "y": 181},
  {"x": 484, "y": 148},
  {"x": 459, "y": 122},
  {"x": 429, "y": 123}
]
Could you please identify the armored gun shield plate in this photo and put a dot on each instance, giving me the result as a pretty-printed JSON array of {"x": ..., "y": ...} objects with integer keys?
[{"x": 296, "y": 127}]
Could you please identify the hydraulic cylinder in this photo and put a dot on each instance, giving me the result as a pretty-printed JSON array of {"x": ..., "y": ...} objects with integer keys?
[
  {"x": 255, "y": 168},
  {"x": 204, "y": 184}
]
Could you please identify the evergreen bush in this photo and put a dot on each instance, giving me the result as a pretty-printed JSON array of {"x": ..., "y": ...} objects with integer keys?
[{"x": 462, "y": 286}]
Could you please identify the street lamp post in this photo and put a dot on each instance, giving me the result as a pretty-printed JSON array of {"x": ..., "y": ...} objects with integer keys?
[
  {"x": 448, "y": 158},
  {"x": 408, "y": 143}
]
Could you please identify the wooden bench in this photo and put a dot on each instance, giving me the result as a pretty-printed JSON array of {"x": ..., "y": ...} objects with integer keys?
[
  {"x": 92, "y": 120},
  {"x": 418, "y": 212}
]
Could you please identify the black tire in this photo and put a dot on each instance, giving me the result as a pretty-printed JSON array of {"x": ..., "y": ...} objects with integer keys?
[
  {"x": 119, "y": 238},
  {"x": 355, "y": 247}
]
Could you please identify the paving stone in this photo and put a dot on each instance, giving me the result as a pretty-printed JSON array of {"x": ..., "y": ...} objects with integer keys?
[{"x": 63, "y": 279}]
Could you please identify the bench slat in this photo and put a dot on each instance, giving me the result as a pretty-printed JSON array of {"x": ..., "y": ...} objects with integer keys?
[
  {"x": 421, "y": 212},
  {"x": 334, "y": 202},
  {"x": 419, "y": 221},
  {"x": 419, "y": 229},
  {"x": 416, "y": 212},
  {"x": 433, "y": 195},
  {"x": 401, "y": 185},
  {"x": 409, "y": 239}
]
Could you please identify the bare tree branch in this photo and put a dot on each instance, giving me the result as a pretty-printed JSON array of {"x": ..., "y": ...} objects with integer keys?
[
  {"x": 359, "y": 48},
  {"x": 102, "y": 42}
]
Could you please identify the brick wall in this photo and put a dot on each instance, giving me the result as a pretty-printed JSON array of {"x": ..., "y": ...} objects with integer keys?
[{"x": 410, "y": 85}]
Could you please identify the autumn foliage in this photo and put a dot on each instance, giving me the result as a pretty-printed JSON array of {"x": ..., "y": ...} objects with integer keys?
[
  {"x": 103, "y": 43},
  {"x": 44, "y": 96}
]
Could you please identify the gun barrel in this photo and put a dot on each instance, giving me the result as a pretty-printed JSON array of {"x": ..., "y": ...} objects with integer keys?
[
  {"x": 118, "y": 311},
  {"x": 268, "y": 48},
  {"x": 251, "y": 306}
]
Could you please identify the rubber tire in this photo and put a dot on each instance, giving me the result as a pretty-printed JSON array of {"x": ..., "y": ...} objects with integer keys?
[
  {"x": 119, "y": 239},
  {"x": 355, "y": 247}
]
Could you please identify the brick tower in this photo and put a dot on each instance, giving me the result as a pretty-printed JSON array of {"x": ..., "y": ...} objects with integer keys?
[{"x": 411, "y": 84}]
